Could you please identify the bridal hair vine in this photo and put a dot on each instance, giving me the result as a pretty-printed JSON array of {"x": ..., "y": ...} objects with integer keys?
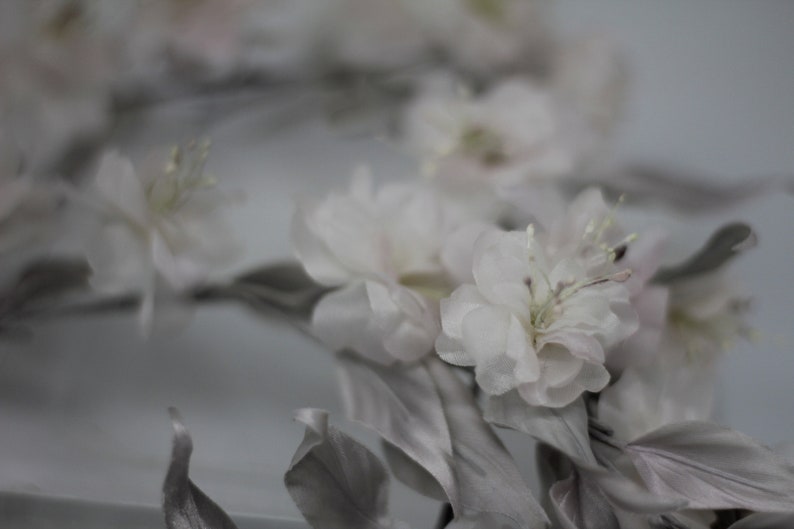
[{"x": 501, "y": 286}]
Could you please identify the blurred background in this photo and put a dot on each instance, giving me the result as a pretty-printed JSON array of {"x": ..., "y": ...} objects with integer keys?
[{"x": 83, "y": 403}]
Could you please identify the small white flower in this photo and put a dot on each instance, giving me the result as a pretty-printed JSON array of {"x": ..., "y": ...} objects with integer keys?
[
  {"x": 382, "y": 251},
  {"x": 512, "y": 134},
  {"x": 541, "y": 313},
  {"x": 373, "y": 34},
  {"x": 58, "y": 66},
  {"x": 160, "y": 225},
  {"x": 670, "y": 388},
  {"x": 485, "y": 36},
  {"x": 590, "y": 75},
  {"x": 641, "y": 253},
  {"x": 707, "y": 314}
]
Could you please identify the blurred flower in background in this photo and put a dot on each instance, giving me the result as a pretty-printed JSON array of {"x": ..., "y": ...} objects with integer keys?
[{"x": 161, "y": 226}]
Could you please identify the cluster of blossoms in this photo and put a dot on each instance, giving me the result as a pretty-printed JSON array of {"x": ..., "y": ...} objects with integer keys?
[
  {"x": 66, "y": 62},
  {"x": 161, "y": 227},
  {"x": 546, "y": 311},
  {"x": 497, "y": 261}
]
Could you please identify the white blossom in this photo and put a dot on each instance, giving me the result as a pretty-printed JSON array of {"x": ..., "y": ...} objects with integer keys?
[
  {"x": 542, "y": 312},
  {"x": 382, "y": 253},
  {"x": 484, "y": 36},
  {"x": 57, "y": 67},
  {"x": 707, "y": 314},
  {"x": 590, "y": 76},
  {"x": 672, "y": 387},
  {"x": 511, "y": 134},
  {"x": 374, "y": 34},
  {"x": 161, "y": 225},
  {"x": 641, "y": 253}
]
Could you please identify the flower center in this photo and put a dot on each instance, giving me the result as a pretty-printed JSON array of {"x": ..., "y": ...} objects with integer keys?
[
  {"x": 433, "y": 286},
  {"x": 483, "y": 144},
  {"x": 181, "y": 177},
  {"x": 544, "y": 310},
  {"x": 490, "y": 10}
]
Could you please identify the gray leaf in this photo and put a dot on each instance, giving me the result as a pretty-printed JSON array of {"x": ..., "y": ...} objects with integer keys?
[
  {"x": 728, "y": 242},
  {"x": 713, "y": 468},
  {"x": 580, "y": 504},
  {"x": 766, "y": 521},
  {"x": 628, "y": 495},
  {"x": 402, "y": 405},
  {"x": 487, "y": 477},
  {"x": 284, "y": 287},
  {"x": 667, "y": 522},
  {"x": 484, "y": 521},
  {"x": 683, "y": 190},
  {"x": 412, "y": 474},
  {"x": 562, "y": 428},
  {"x": 334, "y": 480},
  {"x": 185, "y": 506}
]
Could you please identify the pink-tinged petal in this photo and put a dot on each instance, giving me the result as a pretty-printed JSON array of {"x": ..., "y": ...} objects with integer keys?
[
  {"x": 485, "y": 339},
  {"x": 558, "y": 367},
  {"x": 640, "y": 347},
  {"x": 119, "y": 260},
  {"x": 501, "y": 269},
  {"x": 593, "y": 377},
  {"x": 670, "y": 389},
  {"x": 318, "y": 260},
  {"x": 577, "y": 344},
  {"x": 119, "y": 185},
  {"x": 409, "y": 323},
  {"x": 521, "y": 351},
  {"x": 337, "y": 240},
  {"x": 385, "y": 323},
  {"x": 643, "y": 257},
  {"x": 457, "y": 253},
  {"x": 454, "y": 309},
  {"x": 343, "y": 320},
  {"x": 453, "y": 352}
]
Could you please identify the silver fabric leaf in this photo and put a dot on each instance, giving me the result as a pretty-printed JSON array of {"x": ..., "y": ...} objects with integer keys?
[
  {"x": 484, "y": 521},
  {"x": 766, "y": 521},
  {"x": 402, "y": 405},
  {"x": 412, "y": 474},
  {"x": 185, "y": 506},
  {"x": 627, "y": 495},
  {"x": 281, "y": 287},
  {"x": 683, "y": 190},
  {"x": 580, "y": 504},
  {"x": 591, "y": 497},
  {"x": 726, "y": 243},
  {"x": 335, "y": 481},
  {"x": 713, "y": 468},
  {"x": 488, "y": 480},
  {"x": 562, "y": 428}
]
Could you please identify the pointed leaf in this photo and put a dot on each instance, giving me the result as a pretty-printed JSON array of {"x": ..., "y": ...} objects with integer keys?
[
  {"x": 580, "y": 504},
  {"x": 713, "y": 468},
  {"x": 184, "y": 504},
  {"x": 684, "y": 190},
  {"x": 562, "y": 428},
  {"x": 334, "y": 480},
  {"x": 766, "y": 521},
  {"x": 487, "y": 478},
  {"x": 410, "y": 473},
  {"x": 402, "y": 405},
  {"x": 284, "y": 287},
  {"x": 630, "y": 496},
  {"x": 728, "y": 242},
  {"x": 484, "y": 521}
]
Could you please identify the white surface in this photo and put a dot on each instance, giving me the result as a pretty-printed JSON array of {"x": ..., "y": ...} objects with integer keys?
[{"x": 82, "y": 409}]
